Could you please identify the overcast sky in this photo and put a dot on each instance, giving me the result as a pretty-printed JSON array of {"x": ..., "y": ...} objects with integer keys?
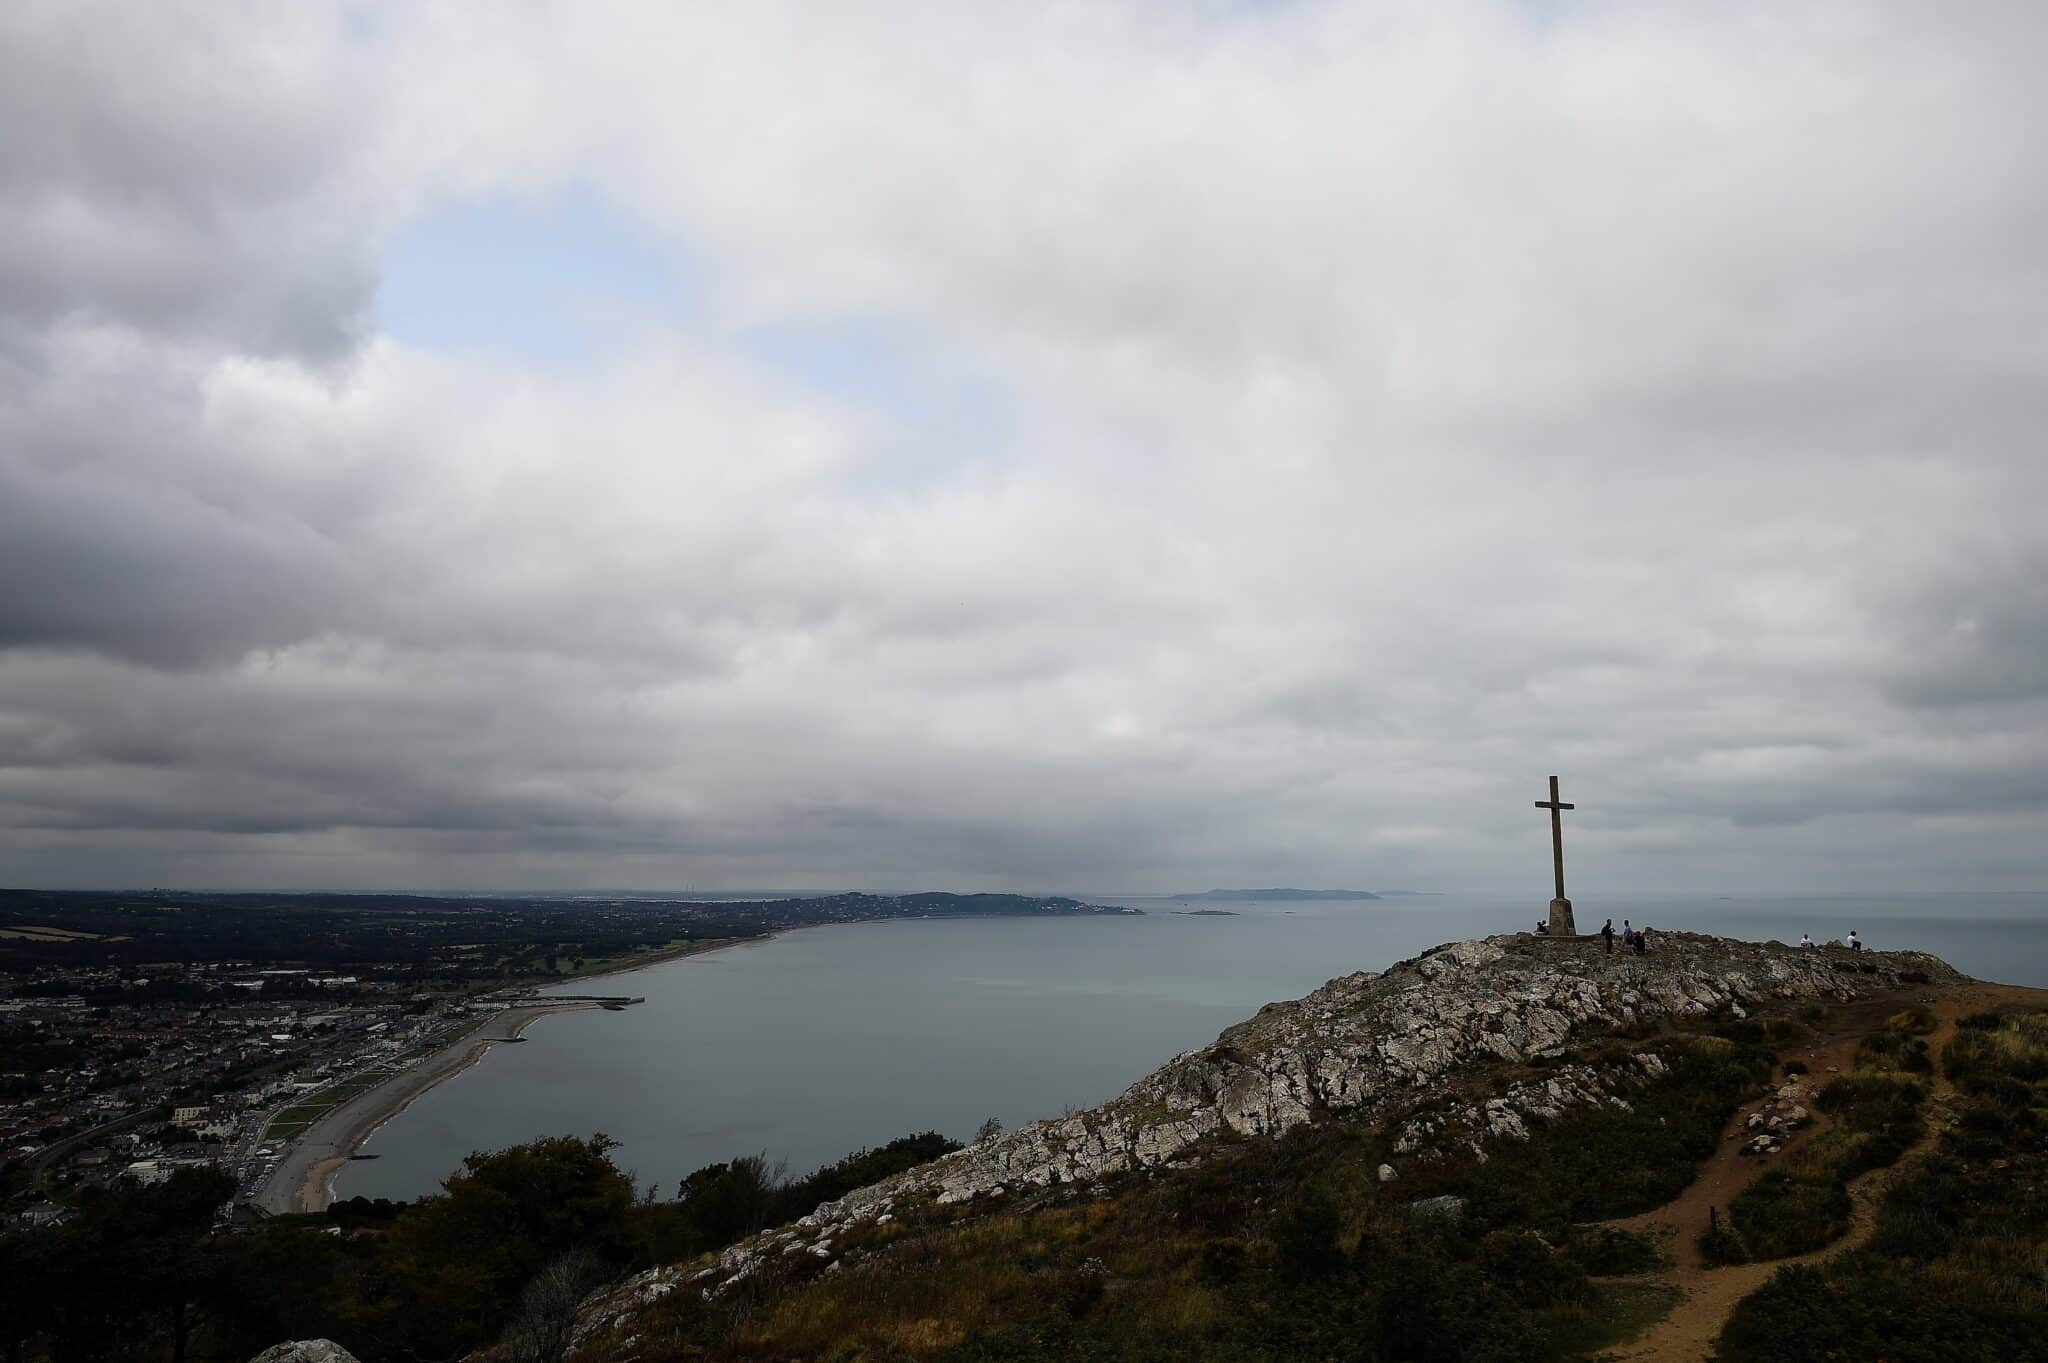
[{"x": 1086, "y": 446}]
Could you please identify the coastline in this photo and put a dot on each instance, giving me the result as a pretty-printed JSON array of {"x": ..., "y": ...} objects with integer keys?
[
  {"x": 305, "y": 1172},
  {"x": 303, "y": 1181}
]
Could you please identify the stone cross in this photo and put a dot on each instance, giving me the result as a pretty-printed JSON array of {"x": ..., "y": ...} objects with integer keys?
[{"x": 1561, "y": 924}]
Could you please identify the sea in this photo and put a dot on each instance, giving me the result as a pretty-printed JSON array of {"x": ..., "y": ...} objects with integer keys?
[{"x": 819, "y": 1042}]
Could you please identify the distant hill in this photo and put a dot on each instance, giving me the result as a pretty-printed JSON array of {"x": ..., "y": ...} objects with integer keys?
[{"x": 1280, "y": 894}]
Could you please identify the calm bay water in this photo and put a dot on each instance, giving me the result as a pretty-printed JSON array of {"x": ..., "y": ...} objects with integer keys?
[{"x": 824, "y": 1040}]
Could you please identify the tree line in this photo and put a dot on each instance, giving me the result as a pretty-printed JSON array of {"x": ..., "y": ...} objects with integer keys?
[{"x": 515, "y": 1239}]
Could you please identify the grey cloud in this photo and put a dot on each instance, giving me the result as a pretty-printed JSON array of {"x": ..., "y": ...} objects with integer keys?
[
  {"x": 1976, "y": 632},
  {"x": 1395, "y": 410},
  {"x": 90, "y": 563},
  {"x": 172, "y": 167}
]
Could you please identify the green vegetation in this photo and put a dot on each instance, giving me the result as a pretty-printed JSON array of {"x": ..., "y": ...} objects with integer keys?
[
  {"x": 1992, "y": 1051},
  {"x": 1245, "y": 1259},
  {"x": 1764, "y": 1031},
  {"x": 721, "y": 1203},
  {"x": 1604, "y": 1163},
  {"x": 1270, "y": 1249},
  {"x": 1955, "y": 1270},
  {"x": 153, "y": 1244},
  {"x": 294, "y": 1120},
  {"x": 505, "y": 1252},
  {"x": 1804, "y": 1204}
]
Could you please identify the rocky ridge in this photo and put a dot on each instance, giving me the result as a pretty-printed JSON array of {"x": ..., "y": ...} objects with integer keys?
[
  {"x": 1370, "y": 1046},
  {"x": 305, "y": 1351}
]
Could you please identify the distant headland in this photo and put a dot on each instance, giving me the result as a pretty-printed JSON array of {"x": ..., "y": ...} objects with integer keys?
[{"x": 1280, "y": 894}]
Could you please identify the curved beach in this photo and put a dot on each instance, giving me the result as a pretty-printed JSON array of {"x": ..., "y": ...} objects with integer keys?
[{"x": 300, "y": 1183}]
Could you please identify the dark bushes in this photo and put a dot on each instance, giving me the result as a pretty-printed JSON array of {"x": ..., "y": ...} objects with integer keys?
[
  {"x": 1780, "y": 1215},
  {"x": 1305, "y": 1237},
  {"x": 1605, "y": 1252},
  {"x": 1879, "y": 1310},
  {"x": 1763, "y": 1031}
]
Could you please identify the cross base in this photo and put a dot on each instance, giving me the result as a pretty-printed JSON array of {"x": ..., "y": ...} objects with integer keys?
[{"x": 1561, "y": 924}]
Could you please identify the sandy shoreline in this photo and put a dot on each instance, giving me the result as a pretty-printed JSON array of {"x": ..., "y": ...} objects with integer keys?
[
  {"x": 301, "y": 1182},
  {"x": 304, "y": 1178}
]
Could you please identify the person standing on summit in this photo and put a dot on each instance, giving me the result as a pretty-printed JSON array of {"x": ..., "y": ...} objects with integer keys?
[{"x": 1607, "y": 933}]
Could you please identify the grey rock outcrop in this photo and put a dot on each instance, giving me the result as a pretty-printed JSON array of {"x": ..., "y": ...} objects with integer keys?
[
  {"x": 1373, "y": 1046},
  {"x": 305, "y": 1351}
]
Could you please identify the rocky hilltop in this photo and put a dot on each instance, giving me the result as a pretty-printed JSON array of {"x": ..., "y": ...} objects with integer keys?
[{"x": 1400, "y": 1046}]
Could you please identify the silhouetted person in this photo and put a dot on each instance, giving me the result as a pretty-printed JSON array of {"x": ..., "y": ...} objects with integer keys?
[
  {"x": 1542, "y": 928},
  {"x": 1607, "y": 932}
]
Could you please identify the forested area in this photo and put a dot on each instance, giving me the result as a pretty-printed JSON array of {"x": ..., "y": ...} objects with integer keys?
[{"x": 503, "y": 1253}]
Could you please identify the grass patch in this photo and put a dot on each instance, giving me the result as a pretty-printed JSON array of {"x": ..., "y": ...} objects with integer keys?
[
  {"x": 1605, "y": 1252},
  {"x": 1768, "y": 1031},
  {"x": 1894, "y": 1052},
  {"x": 1619, "y": 1313},
  {"x": 1997, "y": 1047},
  {"x": 1918, "y": 1020}
]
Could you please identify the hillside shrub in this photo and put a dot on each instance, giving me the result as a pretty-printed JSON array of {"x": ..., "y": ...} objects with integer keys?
[
  {"x": 1916, "y": 1020},
  {"x": 1872, "y": 1309},
  {"x": 1771, "y": 1031},
  {"x": 1305, "y": 1236},
  {"x": 2015, "y": 1048},
  {"x": 1605, "y": 1252}
]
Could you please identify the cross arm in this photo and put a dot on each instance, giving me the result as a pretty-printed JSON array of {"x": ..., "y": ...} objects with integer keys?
[{"x": 1553, "y": 804}]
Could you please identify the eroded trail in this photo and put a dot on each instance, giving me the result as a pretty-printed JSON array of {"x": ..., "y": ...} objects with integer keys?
[{"x": 1687, "y": 1334}]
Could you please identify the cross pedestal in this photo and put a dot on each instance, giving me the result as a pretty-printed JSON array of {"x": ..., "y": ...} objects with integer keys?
[{"x": 1561, "y": 924}]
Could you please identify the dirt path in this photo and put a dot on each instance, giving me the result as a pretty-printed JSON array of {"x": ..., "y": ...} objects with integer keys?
[{"x": 1687, "y": 1335}]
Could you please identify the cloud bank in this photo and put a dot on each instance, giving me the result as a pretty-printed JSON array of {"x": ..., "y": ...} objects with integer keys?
[{"x": 1102, "y": 447}]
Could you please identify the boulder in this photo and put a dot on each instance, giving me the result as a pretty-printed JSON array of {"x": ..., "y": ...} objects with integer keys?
[
  {"x": 1449, "y": 1207},
  {"x": 306, "y": 1351}
]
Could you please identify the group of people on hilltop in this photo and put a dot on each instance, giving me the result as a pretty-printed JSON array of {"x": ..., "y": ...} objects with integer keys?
[
  {"x": 1638, "y": 939},
  {"x": 1632, "y": 938}
]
